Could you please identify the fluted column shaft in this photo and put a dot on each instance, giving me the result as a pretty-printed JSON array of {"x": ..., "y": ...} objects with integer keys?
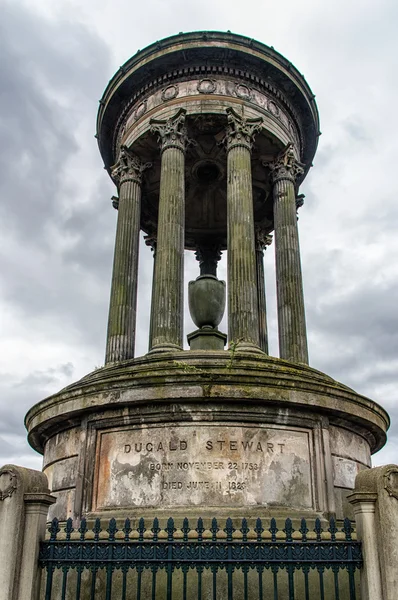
[
  {"x": 290, "y": 296},
  {"x": 123, "y": 301},
  {"x": 242, "y": 273},
  {"x": 166, "y": 331},
  {"x": 261, "y": 245}
]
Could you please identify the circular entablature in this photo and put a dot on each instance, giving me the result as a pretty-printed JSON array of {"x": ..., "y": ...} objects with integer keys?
[{"x": 208, "y": 63}]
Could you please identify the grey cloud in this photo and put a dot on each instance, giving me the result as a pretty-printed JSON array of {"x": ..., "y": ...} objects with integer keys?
[
  {"x": 52, "y": 73},
  {"x": 46, "y": 90},
  {"x": 18, "y": 395}
]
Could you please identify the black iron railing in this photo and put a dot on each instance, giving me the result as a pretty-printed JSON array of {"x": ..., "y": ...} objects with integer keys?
[{"x": 219, "y": 564}]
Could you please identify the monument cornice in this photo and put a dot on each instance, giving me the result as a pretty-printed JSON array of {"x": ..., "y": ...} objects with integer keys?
[{"x": 198, "y": 376}]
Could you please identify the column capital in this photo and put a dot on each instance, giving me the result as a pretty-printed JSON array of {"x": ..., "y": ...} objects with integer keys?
[
  {"x": 128, "y": 167},
  {"x": 240, "y": 131},
  {"x": 208, "y": 257},
  {"x": 172, "y": 132},
  {"x": 151, "y": 241},
  {"x": 263, "y": 240},
  {"x": 285, "y": 166}
]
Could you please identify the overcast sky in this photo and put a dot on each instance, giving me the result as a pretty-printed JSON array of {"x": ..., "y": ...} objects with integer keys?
[{"x": 58, "y": 226}]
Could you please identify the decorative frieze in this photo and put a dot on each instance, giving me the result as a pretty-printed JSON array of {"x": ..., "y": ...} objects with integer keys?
[{"x": 261, "y": 95}]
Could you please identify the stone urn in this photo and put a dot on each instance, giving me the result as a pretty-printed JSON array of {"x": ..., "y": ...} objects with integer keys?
[{"x": 206, "y": 297}]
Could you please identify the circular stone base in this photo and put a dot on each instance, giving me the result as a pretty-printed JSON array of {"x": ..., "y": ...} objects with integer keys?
[{"x": 211, "y": 432}]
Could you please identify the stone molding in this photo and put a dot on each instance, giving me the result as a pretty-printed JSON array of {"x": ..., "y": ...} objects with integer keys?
[
  {"x": 172, "y": 132},
  {"x": 264, "y": 378},
  {"x": 128, "y": 168},
  {"x": 285, "y": 166},
  {"x": 363, "y": 501},
  {"x": 240, "y": 132}
]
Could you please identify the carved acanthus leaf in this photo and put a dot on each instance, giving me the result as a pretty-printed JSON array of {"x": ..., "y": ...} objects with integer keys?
[
  {"x": 285, "y": 166},
  {"x": 240, "y": 131},
  {"x": 172, "y": 132},
  {"x": 263, "y": 240},
  {"x": 128, "y": 167}
]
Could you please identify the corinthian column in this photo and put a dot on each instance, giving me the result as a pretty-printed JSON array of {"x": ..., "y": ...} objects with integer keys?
[
  {"x": 262, "y": 242},
  {"x": 242, "y": 274},
  {"x": 166, "y": 331},
  {"x": 291, "y": 315},
  {"x": 122, "y": 310}
]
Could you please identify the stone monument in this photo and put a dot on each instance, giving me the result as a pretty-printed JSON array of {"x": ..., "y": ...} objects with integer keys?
[{"x": 207, "y": 137}]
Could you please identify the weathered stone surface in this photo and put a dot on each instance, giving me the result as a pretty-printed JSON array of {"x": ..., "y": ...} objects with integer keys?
[
  {"x": 64, "y": 506},
  {"x": 59, "y": 447},
  {"x": 62, "y": 474},
  {"x": 203, "y": 465},
  {"x": 345, "y": 471},
  {"x": 346, "y": 444},
  {"x": 207, "y": 339},
  {"x": 219, "y": 390},
  {"x": 215, "y": 376}
]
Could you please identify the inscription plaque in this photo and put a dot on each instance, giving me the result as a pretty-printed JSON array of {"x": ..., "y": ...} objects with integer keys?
[{"x": 202, "y": 464}]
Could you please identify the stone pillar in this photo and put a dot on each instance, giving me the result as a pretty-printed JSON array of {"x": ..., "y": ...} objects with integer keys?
[
  {"x": 242, "y": 273},
  {"x": 375, "y": 502},
  {"x": 364, "y": 510},
  {"x": 24, "y": 502},
  {"x": 290, "y": 297},
  {"x": 262, "y": 242},
  {"x": 167, "y": 319},
  {"x": 122, "y": 310}
]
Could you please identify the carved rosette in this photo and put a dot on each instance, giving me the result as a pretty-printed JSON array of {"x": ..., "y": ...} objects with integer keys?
[
  {"x": 240, "y": 131},
  {"x": 285, "y": 166},
  {"x": 128, "y": 168},
  {"x": 172, "y": 132},
  {"x": 8, "y": 484}
]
